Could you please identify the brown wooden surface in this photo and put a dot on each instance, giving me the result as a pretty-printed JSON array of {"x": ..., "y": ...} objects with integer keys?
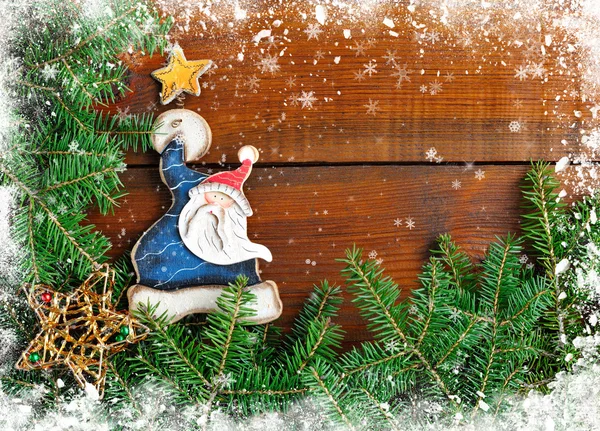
[
  {"x": 309, "y": 216},
  {"x": 335, "y": 175}
]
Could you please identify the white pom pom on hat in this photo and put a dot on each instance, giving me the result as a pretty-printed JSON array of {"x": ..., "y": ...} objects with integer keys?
[{"x": 248, "y": 152}]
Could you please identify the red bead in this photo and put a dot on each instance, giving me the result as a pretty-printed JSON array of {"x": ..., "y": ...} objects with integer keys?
[{"x": 46, "y": 297}]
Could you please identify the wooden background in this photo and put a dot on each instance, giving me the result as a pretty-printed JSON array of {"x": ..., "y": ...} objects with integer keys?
[{"x": 353, "y": 167}]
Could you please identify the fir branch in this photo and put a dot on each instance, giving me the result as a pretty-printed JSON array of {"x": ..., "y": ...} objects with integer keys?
[
  {"x": 321, "y": 336},
  {"x": 36, "y": 86},
  {"x": 498, "y": 278},
  {"x": 84, "y": 127},
  {"x": 348, "y": 372},
  {"x": 331, "y": 393},
  {"x": 31, "y": 240},
  {"x": 76, "y": 180},
  {"x": 543, "y": 205},
  {"x": 160, "y": 335},
  {"x": 365, "y": 279},
  {"x": 433, "y": 286},
  {"x": 87, "y": 40},
  {"x": 34, "y": 197},
  {"x": 124, "y": 386},
  {"x": 530, "y": 303},
  {"x": 92, "y": 99},
  {"x": 229, "y": 334},
  {"x": 245, "y": 392},
  {"x": 458, "y": 341},
  {"x": 164, "y": 377},
  {"x": 66, "y": 153},
  {"x": 376, "y": 404},
  {"x": 381, "y": 309}
]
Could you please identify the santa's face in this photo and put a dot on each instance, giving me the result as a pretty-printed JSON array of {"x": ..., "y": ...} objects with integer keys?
[
  {"x": 213, "y": 227},
  {"x": 218, "y": 198}
]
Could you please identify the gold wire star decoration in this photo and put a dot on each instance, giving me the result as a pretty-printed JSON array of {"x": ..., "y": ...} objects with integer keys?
[
  {"x": 180, "y": 75},
  {"x": 80, "y": 330}
]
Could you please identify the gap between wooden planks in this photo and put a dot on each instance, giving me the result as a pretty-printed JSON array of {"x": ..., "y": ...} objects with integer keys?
[{"x": 308, "y": 216}]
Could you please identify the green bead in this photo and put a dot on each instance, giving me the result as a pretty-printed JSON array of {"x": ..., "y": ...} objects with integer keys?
[
  {"x": 34, "y": 357},
  {"x": 119, "y": 337},
  {"x": 125, "y": 330}
]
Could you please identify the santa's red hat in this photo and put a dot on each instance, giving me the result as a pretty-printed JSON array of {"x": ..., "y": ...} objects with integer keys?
[{"x": 231, "y": 182}]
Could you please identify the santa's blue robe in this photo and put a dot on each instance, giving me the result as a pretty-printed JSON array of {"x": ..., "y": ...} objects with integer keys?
[{"x": 162, "y": 261}]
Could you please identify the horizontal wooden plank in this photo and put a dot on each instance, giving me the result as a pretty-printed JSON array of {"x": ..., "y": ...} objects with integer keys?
[
  {"x": 461, "y": 96},
  {"x": 307, "y": 217}
]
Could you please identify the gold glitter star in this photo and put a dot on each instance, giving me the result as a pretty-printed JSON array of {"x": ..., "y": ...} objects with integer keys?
[
  {"x": 180, "y": 75},
  {"x": 80, "y": 330}
]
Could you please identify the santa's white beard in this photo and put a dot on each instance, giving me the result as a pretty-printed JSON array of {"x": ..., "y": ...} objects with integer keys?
[{"x": 218, "y": 235}]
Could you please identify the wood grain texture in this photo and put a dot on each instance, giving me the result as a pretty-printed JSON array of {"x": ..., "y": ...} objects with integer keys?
[
  {"x": 468, "y": 119},
  {"x": 343, "y": 150},
  {"x": 308, "y": 216}
]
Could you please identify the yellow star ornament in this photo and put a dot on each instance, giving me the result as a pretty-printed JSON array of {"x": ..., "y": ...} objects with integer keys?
[
  {"x": 180, "y": 75},
  {"x": 80, "y": 330}
]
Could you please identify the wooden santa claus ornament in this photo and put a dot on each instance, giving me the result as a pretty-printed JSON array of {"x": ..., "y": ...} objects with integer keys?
[{"x": 186, "y": 259}]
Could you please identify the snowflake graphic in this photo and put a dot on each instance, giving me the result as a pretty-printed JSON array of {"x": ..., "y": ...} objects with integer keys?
[
  {"x": 514, "y": 126},
  {"x": 313, "y": 31},
  {"x": 423, "y": 89},
  {"x": 268, "y": 63},
  {"x": 49, "y": 72},
  {"x": 359, "y": 49},
  {"x": 39, "y": 218},
  {"x": 521, "y": 72},
  {"x": 370, "y": 67},
  {"x": 392, "y": 346},
  {"x": 456, "y": 184},
  {"x": 449, "y": 77},
  {"x": 372, "y": 254},
  {"x": 398, "y": 222},
  {"x": 319, "y": 55},
  {"x": 372, "y": 107},
  {"x": 432, "y": 36},
  {"x": 523, "y": 259},
  {"x": 360, "y": 75},
  {"x": 74, "y": 148},
  {"x": 294, "y": 99},
  {"x": 252, "y": 83},
  {"x": 224, "y": 380},
  {"x": 123, "y": 114},
  {"x": 290, "y": 82},
  {"x": 307, "y": 99},
  {"x": 431, "y": 154},
  {"x": 537, "y": 70},
  {"x": 401, "y": 74},
  {"x": 410, "y": 223},
  {"x": 454, "y": 314},
  {"x": 391, "y": 57},
  {"x": 479, "y": 174},
  {"x": 435, "y": 87}
]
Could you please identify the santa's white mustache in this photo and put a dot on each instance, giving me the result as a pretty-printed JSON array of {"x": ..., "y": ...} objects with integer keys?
[{"x": 218, "y": 235}]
